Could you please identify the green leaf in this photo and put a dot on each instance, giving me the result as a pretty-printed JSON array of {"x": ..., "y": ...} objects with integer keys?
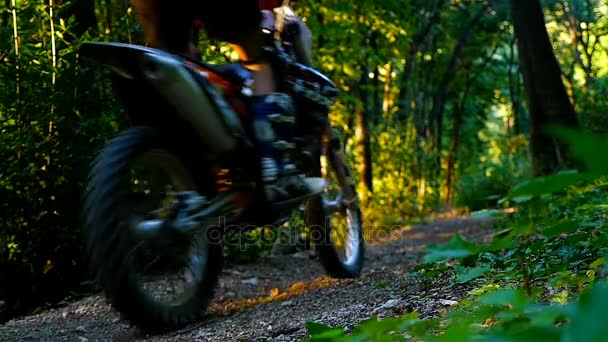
[
  {"x": 597, "y": 263},
  {"x": 487, "y": 213},
  {"x": 584, "y": 146},
  {"x": 504, "y": 297},
  {"x": 460, "y": 332},
  {"x": 563, "y": 227},
  {"x": 522, "y": 333},
  {"x": 500, "y": 243},
  {"x": 321, "y": 332},
  {"x": 378, "y": 330},
  {"x": 546, "y": 185},
  {"x": 442, "y": 254},
  {"x": 422, "y": 327},
  {"x": 546, "y": 315},
  {"x": 458, "y": 247},
  {"x": 592, "y": 206},
  {"x": 589, "y": 316},
  {"x": 472, "y": 273}
]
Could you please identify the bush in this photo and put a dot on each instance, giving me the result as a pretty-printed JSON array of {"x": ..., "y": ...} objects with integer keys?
[
  {"x": 505, "y": 165},
  {"x": 54, "y": 114}
]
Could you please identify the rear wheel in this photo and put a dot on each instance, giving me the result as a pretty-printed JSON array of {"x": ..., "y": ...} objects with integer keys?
[
  {"x": 336, "y": 230},
  {"x": 131, "y": 269}
]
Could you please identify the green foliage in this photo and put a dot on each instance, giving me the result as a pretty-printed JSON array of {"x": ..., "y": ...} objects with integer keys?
[
  {"x": 543, "y": 275},
  {"x": 245, "y": 247},
  {"x": 249, "y": 246},
  {"x": 585, "y": 70},
  {"x": 504, "y": 164},
  {"x": 371, "y": 330},
  {"x": 395, "y": 183},
  {"x": 584, "y": 147},
  {"x": 503, "y": 315},
  {"x": 51, "y": 120}
]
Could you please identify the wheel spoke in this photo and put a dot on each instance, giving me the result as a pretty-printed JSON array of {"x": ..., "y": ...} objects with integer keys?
[
  {"x": 340, "y": 220},
  {"x": 131, "y": 256}
]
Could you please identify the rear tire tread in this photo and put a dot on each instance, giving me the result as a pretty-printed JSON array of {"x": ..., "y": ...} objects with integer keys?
[{"x": 109, "y": 246}]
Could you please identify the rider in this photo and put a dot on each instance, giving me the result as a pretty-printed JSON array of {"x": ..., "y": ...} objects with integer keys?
[{"x": 170, "y": 25}]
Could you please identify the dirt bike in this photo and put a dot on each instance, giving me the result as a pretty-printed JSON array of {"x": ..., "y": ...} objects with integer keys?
[{"x": 186, "y": 120}]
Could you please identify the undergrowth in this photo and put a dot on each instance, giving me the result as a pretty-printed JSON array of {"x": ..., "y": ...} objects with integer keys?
[{"x": 542, "y": 277}]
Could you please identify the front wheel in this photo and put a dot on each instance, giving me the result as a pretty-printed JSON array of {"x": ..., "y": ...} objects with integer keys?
[
  {"x": 334, "y": 219},
  {"x": 128, "y": 267}
]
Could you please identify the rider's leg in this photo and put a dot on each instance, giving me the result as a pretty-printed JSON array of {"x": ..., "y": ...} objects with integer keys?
[
  {"x": 274, "y": 118},
  {"x": 274, "y": 126}
]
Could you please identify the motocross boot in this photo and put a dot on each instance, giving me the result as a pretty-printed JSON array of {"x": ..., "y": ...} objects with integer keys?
[{"x": 274, "y": 123}]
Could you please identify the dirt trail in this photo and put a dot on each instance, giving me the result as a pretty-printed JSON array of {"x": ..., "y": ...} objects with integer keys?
[{"x": 273, "y": 298}]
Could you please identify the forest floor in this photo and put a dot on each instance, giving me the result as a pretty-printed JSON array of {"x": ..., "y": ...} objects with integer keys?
[{"x": 272, "y": 299}]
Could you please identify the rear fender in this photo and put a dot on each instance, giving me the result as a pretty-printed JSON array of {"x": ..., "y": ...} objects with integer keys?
[{"x": 196, "y": 103}]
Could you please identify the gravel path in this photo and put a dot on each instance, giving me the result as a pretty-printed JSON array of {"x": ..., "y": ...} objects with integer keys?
[{"x": 273, "y": 298}]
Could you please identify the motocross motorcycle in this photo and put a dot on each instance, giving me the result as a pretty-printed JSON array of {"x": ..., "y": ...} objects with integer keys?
[{"x": 187, "y": 118}]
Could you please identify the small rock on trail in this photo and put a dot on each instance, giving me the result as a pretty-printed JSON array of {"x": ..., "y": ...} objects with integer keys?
[{"x": 272, "y": 300}]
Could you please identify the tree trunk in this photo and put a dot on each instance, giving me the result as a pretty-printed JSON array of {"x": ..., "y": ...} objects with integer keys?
[
  {"x": 362, "y": 136},
  {"x": 574, "y": 29},
  {"x": 546, "y": 96},
  {"x": 374, "y": 107},
  {"x": 436, "y": 116},
  {"x": 514, "y": 91},
  {"x": 405, "y": 106},
  {"x": 458, "y": 120},
  {"x": 378, "y": 98},
  {"x": 454, "y": 140},
  {"x": 455, "y": 137},
  {"x": 387, "y": 98}
]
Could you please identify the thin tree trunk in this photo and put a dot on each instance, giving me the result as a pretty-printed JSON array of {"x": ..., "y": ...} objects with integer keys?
[
  {"x": 16, "y": 36},
  {"x": 404, "y": 101},
  {"x": 362, "y": 136},
  {"x": 546, "y": 96},
  {"x": 439, "y": 100},
  {"x": 378, "y": 96},
  {"x": 53, "y": 74},
  {"x": 425, "y": 87},
  {"x": 387, "y": 101},
  {"x": 17, "y": 47},
  {"x": 109, "y": 20},
  {"x": 455, "y": 136},
  {"x": 454, "y": 140},
  {"x": 569, "y": 83},
  {"x": 574, "y": 29},
  {"x": 320, "y": 37},
  {"x": 514, "y": 87},
  {"x": 420, "y": 103},
  {"x": 458, "y": 120}
]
